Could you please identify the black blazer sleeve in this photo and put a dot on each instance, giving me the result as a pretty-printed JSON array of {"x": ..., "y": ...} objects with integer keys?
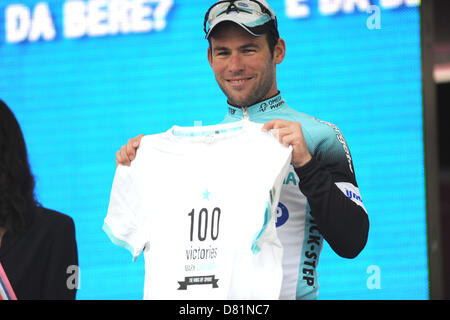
[{"x": 61, "y": 275}]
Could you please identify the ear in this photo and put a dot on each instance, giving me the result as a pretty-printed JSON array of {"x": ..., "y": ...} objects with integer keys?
[
  {"x": 210, "y": 56},
  {"x": 279, "y": 51}
]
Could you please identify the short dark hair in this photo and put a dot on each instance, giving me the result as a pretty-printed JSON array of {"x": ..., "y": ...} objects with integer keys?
[
  {"x": 17, "y": 198},
  {"x": 272, "y": 35},
  {"x": 268, "y": 29}
]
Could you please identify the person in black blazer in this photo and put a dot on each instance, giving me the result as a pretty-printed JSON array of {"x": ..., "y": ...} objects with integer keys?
[{"x": 38, "y": 249}]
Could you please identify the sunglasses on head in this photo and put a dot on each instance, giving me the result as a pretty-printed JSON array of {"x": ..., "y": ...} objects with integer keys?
[{"x": 227, "y": 6}]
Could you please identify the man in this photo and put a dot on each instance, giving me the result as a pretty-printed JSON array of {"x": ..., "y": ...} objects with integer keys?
[{"x": 320, "y": 197}]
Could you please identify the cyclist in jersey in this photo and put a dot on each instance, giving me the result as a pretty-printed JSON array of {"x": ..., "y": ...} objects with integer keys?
[{"x": 320, "y": 198}]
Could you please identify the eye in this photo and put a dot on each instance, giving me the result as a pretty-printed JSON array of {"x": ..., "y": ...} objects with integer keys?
[
  {"x": 222, "y": 53},
  {"x": 248, "y": 51}
]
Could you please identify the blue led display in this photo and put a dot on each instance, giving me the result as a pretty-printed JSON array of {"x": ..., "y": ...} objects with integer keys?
[{"x": 83, "y": 77}]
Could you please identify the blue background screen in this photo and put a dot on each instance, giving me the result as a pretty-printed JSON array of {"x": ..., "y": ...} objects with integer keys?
[{"x": 83, "y": 77}]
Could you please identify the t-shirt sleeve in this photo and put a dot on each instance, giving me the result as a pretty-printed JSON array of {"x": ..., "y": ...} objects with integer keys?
[
  {"x": 122, "y": 223},
  {"x": 285, "y": 157},
  {"x": 280, "y": 157}
]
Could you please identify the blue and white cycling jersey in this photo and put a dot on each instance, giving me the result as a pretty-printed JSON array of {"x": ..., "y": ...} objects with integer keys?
[{"x": 327, "y": 203}]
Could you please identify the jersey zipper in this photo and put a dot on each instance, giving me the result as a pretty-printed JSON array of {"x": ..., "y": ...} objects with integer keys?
[{"x": 245, "y": 112}]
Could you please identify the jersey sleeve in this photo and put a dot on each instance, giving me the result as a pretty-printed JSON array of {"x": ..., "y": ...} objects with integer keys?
[
  {"x": 122, "y": 220},
  {"x": 329, "y": 183}
]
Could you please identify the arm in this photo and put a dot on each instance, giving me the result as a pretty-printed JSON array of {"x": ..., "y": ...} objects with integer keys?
[
  {"x": 342, "y": 221},
  {"x": 61, "y": 278}
]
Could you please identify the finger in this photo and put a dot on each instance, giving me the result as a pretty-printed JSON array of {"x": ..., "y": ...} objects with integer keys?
[
  {"x": 132, "y": 146},
  {"x": 273, "y": 124},
  {"x": 118, "y": 157},
  {"x": 280, "y": 133},
  {"x": 137, "y": 141},
  {"x": 123, "y": 156},
  {"x": 130, "y": 149},
  {"x": 300, "y": 152},
  {"x": 268, "y": 125},
  {"x": 288, "y": 139}
]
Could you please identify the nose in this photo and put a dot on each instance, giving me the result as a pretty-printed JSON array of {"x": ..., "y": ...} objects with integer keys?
[{"x": 236, "y": 63}]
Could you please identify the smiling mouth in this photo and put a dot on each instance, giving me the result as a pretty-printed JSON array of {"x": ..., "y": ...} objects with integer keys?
[{"x": 237, "y": 83}]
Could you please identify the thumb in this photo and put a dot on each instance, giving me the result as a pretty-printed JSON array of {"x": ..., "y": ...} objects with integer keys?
[{"x": 268, "y": 125}]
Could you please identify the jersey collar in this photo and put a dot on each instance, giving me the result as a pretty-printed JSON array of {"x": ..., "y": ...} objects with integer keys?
[{"x": 274, "y": 103}]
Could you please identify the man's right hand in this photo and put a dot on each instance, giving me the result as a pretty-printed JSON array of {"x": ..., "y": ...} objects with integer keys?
[{"x": 127, "y": 153}]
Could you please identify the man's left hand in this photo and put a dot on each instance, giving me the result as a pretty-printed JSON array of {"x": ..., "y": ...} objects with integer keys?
[{"x": 290, "y": 133}]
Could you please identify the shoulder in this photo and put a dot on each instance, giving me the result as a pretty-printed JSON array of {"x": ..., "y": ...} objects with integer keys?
[
  {"x": 53, "y": 221},
  {"x": 318, "y": 133},
  {"x": 324, "y": 139}
]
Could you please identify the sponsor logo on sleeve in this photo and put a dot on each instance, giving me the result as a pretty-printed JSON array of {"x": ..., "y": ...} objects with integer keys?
[{"x": 351, "y": 192}]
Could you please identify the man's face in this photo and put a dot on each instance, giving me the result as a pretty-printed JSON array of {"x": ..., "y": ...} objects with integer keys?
[{"x": 243, "y": 65}]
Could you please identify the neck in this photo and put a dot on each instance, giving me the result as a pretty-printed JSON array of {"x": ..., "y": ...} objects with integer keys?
[
  {"x": 257, "y": 110},
  {"x": 248, "y": 105}
]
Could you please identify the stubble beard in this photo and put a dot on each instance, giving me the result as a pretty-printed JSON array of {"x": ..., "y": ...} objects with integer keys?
[{"x": 257, "y": 94}]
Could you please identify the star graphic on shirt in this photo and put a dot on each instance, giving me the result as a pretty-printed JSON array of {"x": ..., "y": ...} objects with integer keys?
[{"x": 206, "y": 194}]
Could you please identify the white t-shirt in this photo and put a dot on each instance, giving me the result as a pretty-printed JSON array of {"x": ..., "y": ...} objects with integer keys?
[{"x": 201, "y": 203}]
